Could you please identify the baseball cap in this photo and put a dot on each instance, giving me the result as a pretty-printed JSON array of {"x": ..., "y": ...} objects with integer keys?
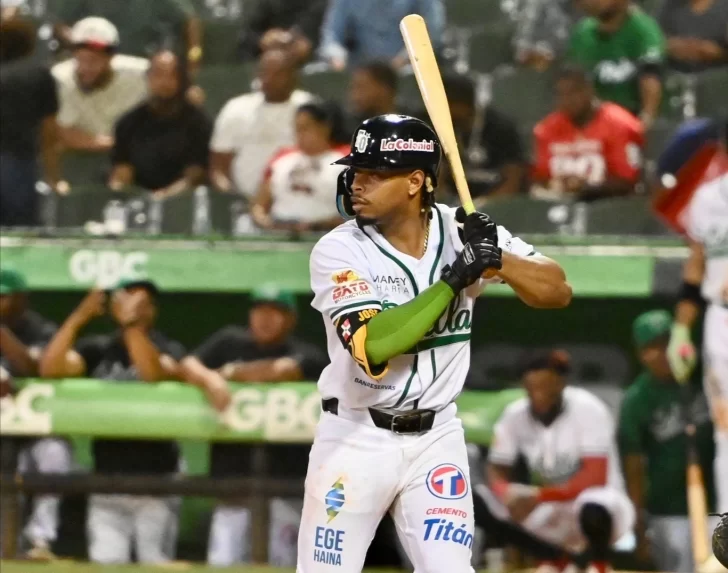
[
  {"x": 11, "y": 281},
  {"x": 95, "y": 32},
  {"x": 149, "y": 285},
  {"x": 650, "y": 326},
  {"x": 271, "y": 294}
]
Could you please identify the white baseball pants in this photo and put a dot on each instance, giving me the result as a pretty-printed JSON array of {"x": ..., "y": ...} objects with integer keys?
[
  {"x": 115, "y": 523},
  {"x": 357, "y": 472},
  {"x": 46, "y": 455},
  {"x": 715, "y": 372},
  {"x": 671, "y": 543},
  {"x": 229, "y": 542}
]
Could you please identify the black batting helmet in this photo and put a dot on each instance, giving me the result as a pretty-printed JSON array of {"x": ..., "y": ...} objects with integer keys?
[{"x": 388, "y": 142}]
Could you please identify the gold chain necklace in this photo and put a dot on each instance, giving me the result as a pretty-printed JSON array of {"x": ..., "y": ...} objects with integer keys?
[{"x": 427, "y": 238}]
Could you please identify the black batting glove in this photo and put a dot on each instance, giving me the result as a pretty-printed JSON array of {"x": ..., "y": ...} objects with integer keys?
[
  {"x": 477, "y": 225},
  {"x": 471, "y": 263}
]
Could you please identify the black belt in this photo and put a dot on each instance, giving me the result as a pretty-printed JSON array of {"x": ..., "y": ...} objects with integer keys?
[{"x": 412, "y": 422}]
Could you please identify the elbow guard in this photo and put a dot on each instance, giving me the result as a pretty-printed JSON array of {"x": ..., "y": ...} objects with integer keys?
[{"x": 352, "y": 331}]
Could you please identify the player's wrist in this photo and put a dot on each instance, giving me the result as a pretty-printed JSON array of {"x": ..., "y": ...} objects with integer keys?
[{"x": 453, "y": 279}]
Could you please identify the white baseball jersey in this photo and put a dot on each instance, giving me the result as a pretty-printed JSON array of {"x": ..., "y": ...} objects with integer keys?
[
  {"x": 354, "y": 270},
  {"x": 706, "y": 222},
  {"x": 553, "y": 453},
  {"x": 303, "y": 187}
]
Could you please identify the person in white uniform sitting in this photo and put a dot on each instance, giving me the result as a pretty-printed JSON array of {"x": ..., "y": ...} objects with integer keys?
[{"x": 299, "y": 185}]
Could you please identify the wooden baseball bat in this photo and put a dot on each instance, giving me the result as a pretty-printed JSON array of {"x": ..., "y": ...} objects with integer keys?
[
  {"x": 429, "y": 80},
  {"x": 697, "y": 503}
]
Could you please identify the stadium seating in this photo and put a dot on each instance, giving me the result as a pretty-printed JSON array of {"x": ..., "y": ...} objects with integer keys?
[
  {"x": 220, "y": 42},
  {"x": 222, "y": 83},
  {"x": 711, "y": 92},
  {"x": 523, "y": 94},
  {"x": 491, "y": 47},
  {"x": 469, "y": 13},
  {"x": 623, "y": 216},
  {"x": 79, "y": 167}
]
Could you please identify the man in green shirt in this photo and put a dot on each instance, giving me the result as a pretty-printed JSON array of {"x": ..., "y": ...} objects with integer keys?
[
  {"x": 653, "y": 443},
  {"x": 624, "y": 49}
]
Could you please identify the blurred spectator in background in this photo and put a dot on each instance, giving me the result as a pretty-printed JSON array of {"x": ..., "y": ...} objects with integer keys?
[
  {"x": 282, "y": 24},
  {"x": 145, "y": 26},
  {"x": 23, "y": 335},
  {"x": 162, "y": 144},
  {"x": 356, "y": 31},
  {"x": 266, "y": 351},
  {"x": 135, "y": 351},
  {"x": 10, "y": 8},
  {"x": 492, "y": 152},
  {"x": 372, "y": 91},
  {"x": 298, "y": 191},
  {"x": 542, "y": 31},
  {"x": 624, "y": 49},
  {"x": 97, "y": 86},
  {"x": 23, "y": 332},
  {"x": 252, "y": 127},
  {"x": 587, "y": 149},
  {"x": 697, "y": 33},
  {"x": 653, "y": 444},
  {"x": 28, "y": 107},
  {"x": 566, "y": 436}
]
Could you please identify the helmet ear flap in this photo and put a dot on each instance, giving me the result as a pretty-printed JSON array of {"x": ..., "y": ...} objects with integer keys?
[{"x": 343, "y": 193}]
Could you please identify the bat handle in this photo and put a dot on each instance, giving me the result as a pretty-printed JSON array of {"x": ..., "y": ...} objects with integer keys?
[{"x": 469, "y": 207}]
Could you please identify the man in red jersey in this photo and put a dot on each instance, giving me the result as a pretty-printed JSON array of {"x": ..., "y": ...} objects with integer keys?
[{"x": 587, "y": 149}]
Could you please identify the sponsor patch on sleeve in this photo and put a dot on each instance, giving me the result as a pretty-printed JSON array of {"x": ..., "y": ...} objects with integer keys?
[
  {"x": 344, "y": 276},
  {"x": 350, "y": 291}
]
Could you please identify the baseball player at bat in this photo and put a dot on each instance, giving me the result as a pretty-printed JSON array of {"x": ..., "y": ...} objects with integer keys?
[
  {"x": 396, "y": 287},
  {"x": 705, "y": 282},
  {"x": 566, "y": 435}
]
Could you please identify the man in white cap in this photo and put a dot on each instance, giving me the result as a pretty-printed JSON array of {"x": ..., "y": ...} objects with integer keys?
[{"x": 96, "y": 86}]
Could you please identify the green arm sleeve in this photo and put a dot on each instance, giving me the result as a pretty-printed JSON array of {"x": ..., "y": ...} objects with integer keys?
[{"x": 396, "y": 330}]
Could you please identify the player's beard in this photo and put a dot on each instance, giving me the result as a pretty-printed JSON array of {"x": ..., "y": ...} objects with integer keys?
[{"x": 362, "y": 222}]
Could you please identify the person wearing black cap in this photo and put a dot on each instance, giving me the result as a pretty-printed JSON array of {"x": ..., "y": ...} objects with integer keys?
[
  {"x": 653, "y": 444},
  {"x": 136, "y": 351},
  {"x": 265, "y": 351},
  {"x": 23, "y": 334},
  {"x": 576, "y": 496}
]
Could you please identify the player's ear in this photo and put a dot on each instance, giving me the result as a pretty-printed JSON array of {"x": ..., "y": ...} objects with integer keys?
[{"x": 416, "y": 182}]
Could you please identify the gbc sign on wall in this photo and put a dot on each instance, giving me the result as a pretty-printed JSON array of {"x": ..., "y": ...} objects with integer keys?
[{"x": 106, "y": 268}]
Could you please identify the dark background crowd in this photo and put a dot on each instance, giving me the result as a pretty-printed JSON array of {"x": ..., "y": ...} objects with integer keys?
[{"x": 559, "y": 100}]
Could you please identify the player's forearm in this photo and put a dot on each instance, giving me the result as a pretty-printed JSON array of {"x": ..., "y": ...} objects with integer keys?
[
  {"x": 399, "y": 329},
  {"x": 54, "y": 361},
  {"x": 17, "y": 354},
  {"x": 79, "y": 140},
  {"x": 269, "y": 370},
  {"x": 634, "y": 473},
  {"x": 498, "y": 477},
  {"x": 144, "y": 355},
  {"x": 538, "y": 281},
  {"x": 651, "y": 96},
  {"x": 593, "y": 473},
  {"x": 690, "y": 301}
]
